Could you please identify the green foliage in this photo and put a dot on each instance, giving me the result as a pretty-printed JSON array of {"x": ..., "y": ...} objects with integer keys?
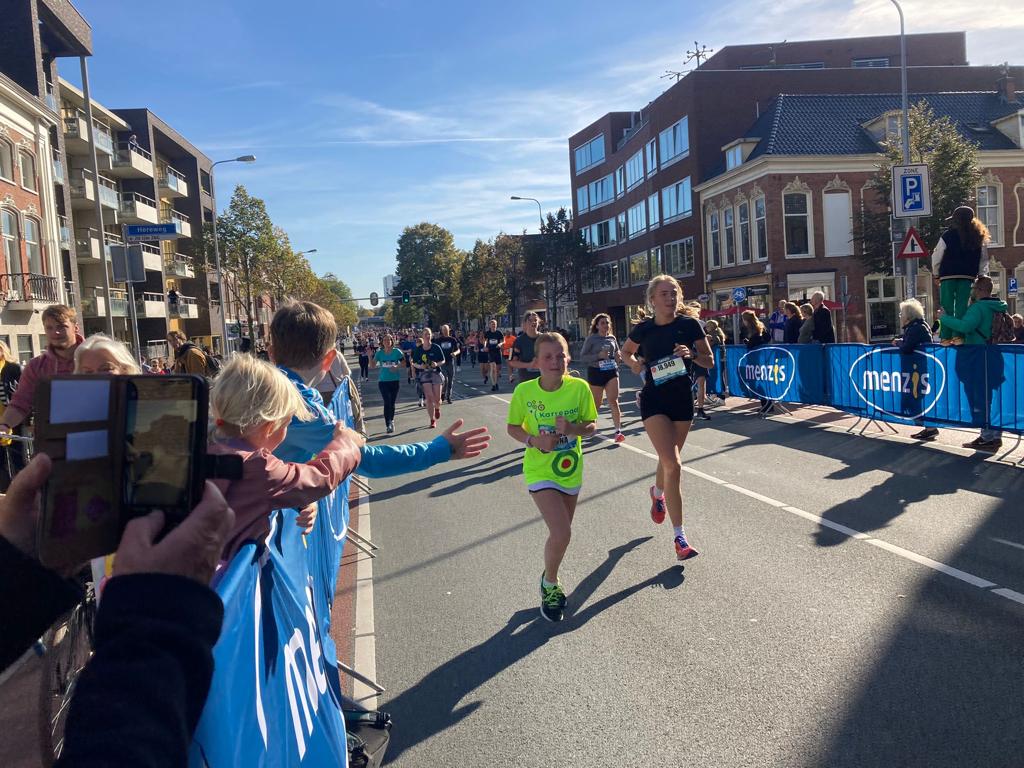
[
  {"x": 952, "y": 163},
  {"x": 429, "y": 265},
  {"x": 557, "y": 257},
  {"x": 485, "y": 276}
]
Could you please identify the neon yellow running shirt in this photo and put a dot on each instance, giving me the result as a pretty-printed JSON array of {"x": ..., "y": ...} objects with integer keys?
[{"x": 535, "y": 411}]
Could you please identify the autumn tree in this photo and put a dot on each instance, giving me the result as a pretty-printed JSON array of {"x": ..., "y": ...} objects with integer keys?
[
  {"x": 429, "y": 267},
  {"x": 557, "y": 256},
  {"x": 485, "y": 278}
]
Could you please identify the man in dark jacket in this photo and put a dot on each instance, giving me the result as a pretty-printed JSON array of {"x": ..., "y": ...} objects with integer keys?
[
  {"x": 138, "y": 700},
  {"x": 824, "y": 331}
]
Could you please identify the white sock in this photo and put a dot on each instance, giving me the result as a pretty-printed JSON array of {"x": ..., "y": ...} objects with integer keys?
[
  {"x": 547, "y": 584},
  {"x": 658, "y": 493},
  {"x": 677, "y": 530}
]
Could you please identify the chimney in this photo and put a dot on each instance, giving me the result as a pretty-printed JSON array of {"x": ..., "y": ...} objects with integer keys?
[{"x": 1006, "y": 86}]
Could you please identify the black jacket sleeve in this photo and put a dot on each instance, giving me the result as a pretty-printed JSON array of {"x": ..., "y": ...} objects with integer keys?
[
  {"x": 823, "y": 329},
  {"x": 31, "y": 599},
  {"x": 140, "y": 697}
]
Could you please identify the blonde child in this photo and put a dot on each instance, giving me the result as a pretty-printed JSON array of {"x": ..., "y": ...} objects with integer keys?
[{"x": 252, "y": 403}]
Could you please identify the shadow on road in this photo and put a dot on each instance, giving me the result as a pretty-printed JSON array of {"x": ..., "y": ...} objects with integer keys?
[{"x": 432, "y": 705}]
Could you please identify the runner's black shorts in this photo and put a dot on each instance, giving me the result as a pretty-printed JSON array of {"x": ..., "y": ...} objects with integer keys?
[
  {"x": 698, "y": 371},
  {"x": 673, "y": 399},
  {"x": 598, "y": 378},
  {"x": 494, "y": 356}
]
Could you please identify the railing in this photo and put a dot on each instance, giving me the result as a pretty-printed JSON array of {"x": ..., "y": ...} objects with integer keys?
[
  {"x": 169, "y": 214},
  {"x": 154, "y": 349},
  {"x": 131, "y": 200},
  {"x": 93, "y": 305},
  {"x": 26, "y": 286},
  {"x": 123, "y": 154},
  {"x": 58, "y": 168},
  {"x": 81, "y": 181},
  {"x": 65, "y": 231},
  {"x": 179, "y": 265},
  {"x": 171, "y": 179},
  {"x": 185, "y": 306},
  {"x": 72, "y": 120},
  {"x": 49, "y": 97},
  {"x": 109, "y": 196}
]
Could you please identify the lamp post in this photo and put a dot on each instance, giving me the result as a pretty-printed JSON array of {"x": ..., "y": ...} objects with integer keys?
[
  {"x": 216, "y": 248},
  {"x": 551, "y": 307},
  {"x": 910, "y": 288},
  {"x": 540, "y": 212}
]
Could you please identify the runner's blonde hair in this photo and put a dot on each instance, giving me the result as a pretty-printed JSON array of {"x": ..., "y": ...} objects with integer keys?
[{"x": 250, "y": 392}]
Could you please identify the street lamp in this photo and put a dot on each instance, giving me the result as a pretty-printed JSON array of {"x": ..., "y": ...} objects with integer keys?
[
  {"x": 311, "y": 250},
  {"x": 910, "y": 288},
  {"x": 540, "y": 212},
  {"x": 216, "y": 249}
]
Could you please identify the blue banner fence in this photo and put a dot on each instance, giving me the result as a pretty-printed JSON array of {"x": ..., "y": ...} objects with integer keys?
[
  {"x": 275, "y": 698},
  {"x": 961, "y": 386}
]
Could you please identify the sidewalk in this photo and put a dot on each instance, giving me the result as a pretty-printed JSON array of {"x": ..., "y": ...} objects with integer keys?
[{"x": 819, "y": 416}]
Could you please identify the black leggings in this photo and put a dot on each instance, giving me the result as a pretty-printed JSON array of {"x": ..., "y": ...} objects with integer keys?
[
  {"x": 389, "y": 391},
  {"x": 364, "y": 366}
]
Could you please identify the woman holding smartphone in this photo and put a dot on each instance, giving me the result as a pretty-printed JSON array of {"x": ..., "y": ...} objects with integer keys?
[{"x": 427, "y": 359}]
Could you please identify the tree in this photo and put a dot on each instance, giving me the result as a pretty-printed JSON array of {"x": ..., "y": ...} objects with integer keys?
[
  {"x": 558, "y": 257},
  {"x": 952, "y": 163},
  {"x": 345, "y": 313},
  {"x": 249, "y": 249},
  {"x": 429, "y": 265},
  {"x": 485, "y": 277}
]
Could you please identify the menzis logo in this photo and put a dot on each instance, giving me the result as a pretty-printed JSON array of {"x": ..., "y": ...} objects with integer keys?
[
  {"x": 902, "y": 386},
  {"x": 768, "y": 372}
]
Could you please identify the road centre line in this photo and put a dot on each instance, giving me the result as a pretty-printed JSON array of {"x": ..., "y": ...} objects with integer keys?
[{"x": 1007, "y": 542}]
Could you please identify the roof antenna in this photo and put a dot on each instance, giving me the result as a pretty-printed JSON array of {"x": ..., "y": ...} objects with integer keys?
[{"x": 699, "y": 52}]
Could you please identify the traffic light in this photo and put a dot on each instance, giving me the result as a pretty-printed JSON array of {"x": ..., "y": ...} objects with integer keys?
[{"x": 405, "y": 297}]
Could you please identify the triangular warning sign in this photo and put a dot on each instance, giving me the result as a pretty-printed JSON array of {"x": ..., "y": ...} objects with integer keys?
[{"x": 913, "y": 246}]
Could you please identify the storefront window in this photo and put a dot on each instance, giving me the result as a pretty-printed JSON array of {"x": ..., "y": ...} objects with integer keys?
[{"x": 883, "y": 305}]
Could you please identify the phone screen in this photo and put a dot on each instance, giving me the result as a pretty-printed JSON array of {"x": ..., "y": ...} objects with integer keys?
[{"x": 160, "y": 433}]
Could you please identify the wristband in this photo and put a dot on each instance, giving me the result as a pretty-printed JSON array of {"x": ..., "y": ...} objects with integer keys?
[{"x": 527, "y": 442}]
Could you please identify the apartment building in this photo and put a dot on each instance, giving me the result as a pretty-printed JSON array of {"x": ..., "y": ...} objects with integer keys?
[
  {"x": 633, "y": 174},
  {"x": 780, "y": 215}
]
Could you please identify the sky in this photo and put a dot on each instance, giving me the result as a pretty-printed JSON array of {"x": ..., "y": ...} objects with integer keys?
[{"x": 369, "y": 117}]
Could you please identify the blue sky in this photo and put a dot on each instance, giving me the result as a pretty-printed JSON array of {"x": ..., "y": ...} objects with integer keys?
[{"x": 368, "y": 117}]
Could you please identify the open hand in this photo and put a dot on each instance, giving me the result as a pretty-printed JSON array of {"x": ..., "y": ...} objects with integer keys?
[
  {"x": 19, "y": 508},
  {"x": 466, "y": 445},
  {"x": 637, "y": 366}
]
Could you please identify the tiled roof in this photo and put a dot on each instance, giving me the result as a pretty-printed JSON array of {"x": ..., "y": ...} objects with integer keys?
[{"x": 833, "y": 124}]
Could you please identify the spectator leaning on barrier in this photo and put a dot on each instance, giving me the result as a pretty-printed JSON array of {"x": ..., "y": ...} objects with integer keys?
[
  {"x": 807, "y": 326},
  {"x": 976, "y": 328},
  {"x": 1018, "y": 328},
  {"x": 959, "y": 257},
  {"x": 757, "y": 336},
  {"x": 791, "y": 333},
  {"x": 915, "y": 334},
  {"x": 777, "y": 323},
  {"x": 824, "y": 331}
]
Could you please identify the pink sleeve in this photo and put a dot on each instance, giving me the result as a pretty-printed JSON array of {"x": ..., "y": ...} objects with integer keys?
[
  {"x": 290, "y": 484},
  {"x": 26, "y": 391}
]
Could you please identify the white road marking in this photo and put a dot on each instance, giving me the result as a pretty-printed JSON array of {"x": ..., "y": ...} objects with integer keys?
[
  {"x": 1007, "y": 542},
  {"x": 364, "y": 652},
  {"x": 1009, "y": 594}
]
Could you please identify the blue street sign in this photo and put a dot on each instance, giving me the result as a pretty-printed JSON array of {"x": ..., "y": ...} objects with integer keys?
[
  {"x": 136, "y": 232},
  {"x": 911, "y": 191},
  {"x": 739, "y": 295},
  {"x": 1011, "y": 286}
]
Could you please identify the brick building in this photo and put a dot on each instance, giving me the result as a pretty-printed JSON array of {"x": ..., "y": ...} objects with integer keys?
[
  {"x": 779, "y": 217},
  {"x": 633, "y": 174}
]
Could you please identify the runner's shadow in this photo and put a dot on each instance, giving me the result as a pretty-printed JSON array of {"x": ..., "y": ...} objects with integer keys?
[{"x": 432, "y": 705}]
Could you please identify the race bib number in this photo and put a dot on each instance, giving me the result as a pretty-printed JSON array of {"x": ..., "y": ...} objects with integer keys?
[
  {"x": 492, "y": 342},
  {"x": 563, "y": 443},
  {"x": 446, "y": 345},
  {"x": 607, "y": 365},
  {"x": 666, "y": 369}
]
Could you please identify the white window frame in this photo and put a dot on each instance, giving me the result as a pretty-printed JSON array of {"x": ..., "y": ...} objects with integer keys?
[
  {"x": 653, "y": 211},
  {"x": 733, "y": 157},
  {"x": 680, "y": 252},
  {"x": 744, "y": 238},
  {"x": 7, "y": 148},
  {"x": 620, "y": 181},
  {"x": 36, "y": 245},
  {"x": 671, "y": 142},
  {"x": 729, "y": 236},
  {"x": 714, "y": 241},
  {"x": 991, "y": 210},
  {"x": 11, "y": 242},
  {"x": 651, "y": 157},
  {"x": 635, "y": 170},
  {"x": 31, "y": 176},
  {"x": 587, "y": 147},
  {"x": 620, "y": 226},
  {"x": 810, "y": 225},
  {"x": 636, "y": 216},
  {"x": 583, "y": 198},
  {"x": 759, "y": 223},
  {"x": 847, "y": 249}
]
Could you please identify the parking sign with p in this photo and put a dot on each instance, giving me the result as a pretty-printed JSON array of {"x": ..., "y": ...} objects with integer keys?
[{"x": 911, "y": 192}]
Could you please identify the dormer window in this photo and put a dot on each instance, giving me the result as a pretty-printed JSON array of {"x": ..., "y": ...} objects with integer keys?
[
  {"x": 736, "y": 152},
  {"x": 893, "y": 126},
  {"x": 733, "y": 157}
]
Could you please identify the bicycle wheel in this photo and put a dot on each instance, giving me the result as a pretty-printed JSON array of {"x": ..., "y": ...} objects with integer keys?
[{"x": 68, "y": 647}]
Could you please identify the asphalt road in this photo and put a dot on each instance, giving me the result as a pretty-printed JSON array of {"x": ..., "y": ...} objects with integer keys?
[{"x": 856, "y": 603}]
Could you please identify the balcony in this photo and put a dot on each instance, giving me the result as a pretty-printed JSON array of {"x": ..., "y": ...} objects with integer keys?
[
  {"x": 129, "y": 161},
  {"x": 185, "y": 307},
  {"x": 151, "y": 305},
  {"x": 76, "y": 133},
  {"x": 179, "y": 265},
  {"x": 29, "y": 291},
  {"x": 170, "y": 216},
  {"x": 50, "y": 97},
  {"x": 151, "y": 257},
  {"x": 58, "y": 168},
  {"x": 172, "y": 183},
  {"x": 138, "y": 209},
  {"x": 109, "y": 196},
  {"x": 95, "y": 305},
  {"x": 82, "y": 188},
  {"x": 64, "y": 230},
  {"x": 87, "y": 245}
]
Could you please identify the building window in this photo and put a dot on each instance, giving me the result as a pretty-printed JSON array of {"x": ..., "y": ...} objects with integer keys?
[
  {"x": 733, "y": 157},
  {"x": 743, "y": 213},
  {"x": 679, "y": 258},
  {"x": 204, "y": 182},
  {"x": 635, "y": 170},
  {"x": 32, "y": 247},
  {"x": 883, "y": 308},
  {"x": 838, "y": 216},
  {"x": 590, "y": 154},
  {"x": 797, "y": 227},
  {"x": 601, "y": 191},
  {"x": 674, "y": 141},
  {"x": 25, "y": 351},
  {"x": 637, "y": 216},
  {"x": 620, "y": 181},
  {"x": 760, "y": 230},
  {"x": 729, "y": 235},
  {"x": 652, "y": 156},
  {"x": 602, "y": 234},
  {"x": 676, "y": 201},
  {"x": 639, "y": 268},
  {"x": 988, "y": 212},
  {"x": 653, "y": 215},
  {"x": 620, "y": 226},
  {"x": 878, "y": 62},
  {"x": 582, "y": 199},
  {"x": 657, "y": 267},
  {"x": 6, "y": 161},
  {"x": 28, "y": 170},
  {"x": 714, "y": 245},
  {"x": 9, "y": 232}
]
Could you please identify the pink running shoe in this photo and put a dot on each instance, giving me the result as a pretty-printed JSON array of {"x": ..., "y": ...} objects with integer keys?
[
  {"x": 683, "y": 549},
  {"x": 619, "y": 437},
  {"x": 658, "y": 508}
]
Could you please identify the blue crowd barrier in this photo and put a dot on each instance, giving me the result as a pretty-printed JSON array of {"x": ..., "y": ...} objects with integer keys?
[
  {"x": 275, "y": 698},
  {"x": 956, "y": 386}
]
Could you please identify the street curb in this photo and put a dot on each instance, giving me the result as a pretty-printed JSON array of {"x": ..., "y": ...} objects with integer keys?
[{"x": 364, "y": 652}]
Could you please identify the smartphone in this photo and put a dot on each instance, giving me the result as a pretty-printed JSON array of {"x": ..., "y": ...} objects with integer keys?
[{"x": 121, "y": 446}]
